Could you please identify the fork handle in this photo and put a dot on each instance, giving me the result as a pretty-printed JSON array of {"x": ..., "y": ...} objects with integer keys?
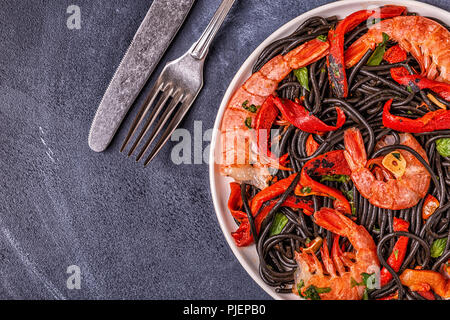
[{"x": 200, "y": 48}]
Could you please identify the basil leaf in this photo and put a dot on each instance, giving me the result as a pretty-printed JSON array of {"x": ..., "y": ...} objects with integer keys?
[
  {"x": 279, "y": 222},
  {"x": 302, "y": 77},
  {"x": 336, "y": 177},
  {"x": 438, "y": 247},
  {"x": 377, "y": 56},
  {"x": 443, "y": 147}
]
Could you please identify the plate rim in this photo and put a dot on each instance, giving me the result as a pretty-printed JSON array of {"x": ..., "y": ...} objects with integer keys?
[{"x": 213, "y": 168}]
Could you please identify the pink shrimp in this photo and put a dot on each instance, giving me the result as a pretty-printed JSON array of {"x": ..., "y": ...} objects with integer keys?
[
  {"x": 395, "y": 194},
  {"x": 425, "y": 39},
  {"x": 239, "y": 153},
  {"x": 340, "y": 277}
]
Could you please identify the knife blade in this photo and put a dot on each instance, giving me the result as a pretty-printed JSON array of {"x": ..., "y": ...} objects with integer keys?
[{"x": 156, "y": 32}]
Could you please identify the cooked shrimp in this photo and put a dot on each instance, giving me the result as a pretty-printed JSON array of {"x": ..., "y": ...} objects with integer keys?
[
  {"x": 431, "y": 51},
  {"x": 340, "y": 277},
  {"x": 424, "y": 280},
  {"x": 395, "y": 194},
  {"x": 239, "y": 153}
]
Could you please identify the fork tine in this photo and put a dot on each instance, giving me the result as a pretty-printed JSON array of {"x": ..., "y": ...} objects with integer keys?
[
  {"x": 177, "y": 97},
  {"x": 173, "y": 124},
  {"x": 168, "y": 90},
  {"x": 143, "y": 112}
]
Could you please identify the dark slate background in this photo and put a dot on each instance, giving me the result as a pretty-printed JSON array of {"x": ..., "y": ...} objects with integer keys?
[{"x": 135, "y": 233}]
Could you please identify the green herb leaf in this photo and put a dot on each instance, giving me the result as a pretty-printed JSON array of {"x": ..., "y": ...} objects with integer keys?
[
  {"x": 366, "y": 294},
  {"x": 252, "y": 108},
  {"x": 377, "y": 56},
  {"x": 312, "y": 292},
  {"x": 336, "y": 178},
  {"x": 355, "y": 283},
  {"x": 369, "y": 280},
  {"x": 306, "y": 190},
  {"x": 323, "y": 290},
  {"x": 322, "y": 38},
  {"x": 302, "y": 77},
  {"x": 248, "y": 122},
  {"x": 396, "y": 254},
  {"x": 279, "y": 222},
  {"x": 409, "y": 89},
  {"x": 438, "y": 247},
  {"x": 443, "y": 147},
  {"x": 396, "y": 154},
  {"x": 300, "y": 285}
]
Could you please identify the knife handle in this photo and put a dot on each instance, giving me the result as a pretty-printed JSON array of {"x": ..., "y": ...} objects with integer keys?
[{"x": 200, "y": 48}]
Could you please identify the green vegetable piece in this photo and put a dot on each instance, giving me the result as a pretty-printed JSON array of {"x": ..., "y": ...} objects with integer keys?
[
  {"x": 336, "y": 178},
  {"x": 443, "y": 147},
  {"x": 279, "y": 222},
  {"x": 312, "y": 292},
  {"x": 300, "y": 285},
  {"x": 377, "y": 56},
  {"x": 302, "y": 77},
  {"x": 248, "y": 122},
  {"x": 438, "y": 247},
  {"x": 397, "y": 155},
  {"x": 322, "y": 38},
  {"x": 306, "y": 190},
  {"x": 369, "y": 280}
]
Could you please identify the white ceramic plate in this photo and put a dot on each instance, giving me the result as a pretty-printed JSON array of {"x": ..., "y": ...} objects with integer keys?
[{"x": 220, "y": 185}]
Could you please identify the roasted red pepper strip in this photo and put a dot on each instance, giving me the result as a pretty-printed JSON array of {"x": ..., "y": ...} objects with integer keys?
[
  {"x": 297, "y": 115},
  {"x": 335, "y": 58},
  {"x": 397, "y": 256},
  {"x": 311, "y": 145},
  {"x": 264, "y": 120},
  {"x": 274, "y": 191},
  {"x": 429, "y": 206},
  {"x": 235, "y": 202},
  {"x": 417, "y": 82},
  {"x": 435, "y": 120},
  {"x": 330, "y": 163},
  {"x": 243, "y": 237}
]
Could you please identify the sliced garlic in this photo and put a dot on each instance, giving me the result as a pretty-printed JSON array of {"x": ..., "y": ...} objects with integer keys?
[{"x": 395, "y": 163}]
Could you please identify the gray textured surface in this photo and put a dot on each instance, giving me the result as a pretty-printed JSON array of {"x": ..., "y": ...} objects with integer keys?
[
  {"x": 135, "y": 233},
  {"x": 159, "y": 27}
]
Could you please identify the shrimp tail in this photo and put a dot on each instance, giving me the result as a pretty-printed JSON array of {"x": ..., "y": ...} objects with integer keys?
[
  {"x": 355, "y": 152},
  {"x": 333, "y": 221}
]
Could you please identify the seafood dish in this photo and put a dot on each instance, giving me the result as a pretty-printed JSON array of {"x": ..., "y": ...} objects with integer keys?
[{"x": 338, "y": 145}]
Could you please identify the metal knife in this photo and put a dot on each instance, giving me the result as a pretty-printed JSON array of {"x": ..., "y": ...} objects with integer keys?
[{"x": 160, "y": 25}]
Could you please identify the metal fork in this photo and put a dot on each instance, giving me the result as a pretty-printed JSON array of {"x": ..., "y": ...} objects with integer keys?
[{"x": 177, "y": 87}]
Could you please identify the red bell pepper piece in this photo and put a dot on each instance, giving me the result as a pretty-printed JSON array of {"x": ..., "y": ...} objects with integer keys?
[
  {"x": 397, "y": 256},
  {"x": 273, "y": 191},
  {"x": 434, "y": 120},
  {"x": 330, "y": 163},
  {"x": 427, "y": 295},
  {"x": 264, "y": 120},
  {"x": 429, "y": 206},
  {"x": 311, "y": 145},
  {"x": 335, "y": 58},
  {"x": 235, "y": 202},
  {"x": 297, "y": 115},
  {"x": 243, "y": 237},
  {"x": 395, "y": 54},
  {"x": 417, "y": 82}
]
